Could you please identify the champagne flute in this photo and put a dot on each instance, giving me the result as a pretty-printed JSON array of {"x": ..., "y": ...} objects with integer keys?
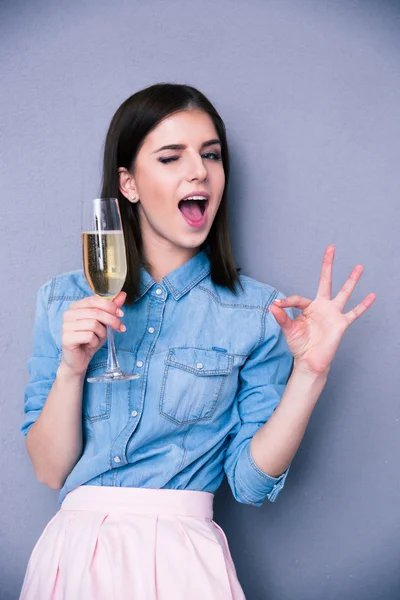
[{"x": 104, "y": 263}]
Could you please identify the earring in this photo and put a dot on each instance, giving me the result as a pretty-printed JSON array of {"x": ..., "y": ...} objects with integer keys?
[{"x": 133, "y": 198}]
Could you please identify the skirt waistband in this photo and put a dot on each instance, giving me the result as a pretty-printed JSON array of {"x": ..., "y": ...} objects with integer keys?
[{"x": 140, "y": 500}]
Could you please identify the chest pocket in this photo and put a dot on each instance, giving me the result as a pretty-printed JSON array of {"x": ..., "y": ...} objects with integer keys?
[
  {"x": 193, "y": 383},
  {"x": 97, "y": 396}
]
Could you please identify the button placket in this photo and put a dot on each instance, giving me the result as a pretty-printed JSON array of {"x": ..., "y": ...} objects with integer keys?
[{"x": 121, "y": 443}]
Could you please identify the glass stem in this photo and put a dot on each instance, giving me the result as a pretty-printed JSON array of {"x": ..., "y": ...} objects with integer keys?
[{"x": 112, "y": 363}]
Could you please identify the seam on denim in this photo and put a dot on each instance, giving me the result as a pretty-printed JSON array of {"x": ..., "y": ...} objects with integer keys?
[
  {"x": 160, "y": 308},
  {"x": 51, "y": 294},
  {"x": 226, "y": 305},
  {"x": 164, "y": 381},
  {"x": 272, "y": 297},
  {"x": 140, "y": 342},
  {"x": 275, "y": 480},
  {"x": 203, "y": 373},
  {"x": 52, "y": 286},
  {"x": 262, "y": 330},
  {"x": 240, "y": 488},
  {"x": 129, "y": 428},
  {"x": 146, "y": 289},
  {"x": 63, "y": 297},
  {"x": 146, "y": 358},
  {"x": 104, "y": 415},
  {"x": 120, "y": 349},
  {"x": 264, "y": 315},
  {"x": 97, "y": 365},
  {"x": 207, "y": 348},
  {"x": 178, "y": 294},
  {"x": 141, "y": 396},
  {"x": 209, "y": 413}
]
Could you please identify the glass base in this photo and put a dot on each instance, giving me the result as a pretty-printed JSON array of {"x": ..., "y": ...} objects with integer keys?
[{"x": 110, "y": 376}]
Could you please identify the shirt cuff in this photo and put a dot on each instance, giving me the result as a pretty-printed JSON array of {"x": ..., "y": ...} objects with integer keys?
[{"x": 253, "y": 483}]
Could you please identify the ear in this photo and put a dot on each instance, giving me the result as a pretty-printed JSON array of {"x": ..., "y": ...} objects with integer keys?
[{"x": 127, "y": 185}]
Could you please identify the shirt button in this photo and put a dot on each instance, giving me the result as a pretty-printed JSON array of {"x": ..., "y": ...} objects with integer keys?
[
  {"x": 151, "y": 330},
  {"x": 117, "y": 459},
  {"x": 199, "y": 365},
  {"x": 158, "y": 291},
  {"x": 134, "y": 413},
  {"x": 139, "y": 363}
]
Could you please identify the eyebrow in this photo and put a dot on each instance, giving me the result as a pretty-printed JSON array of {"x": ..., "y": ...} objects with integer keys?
[{"x": 183, "y": 147}]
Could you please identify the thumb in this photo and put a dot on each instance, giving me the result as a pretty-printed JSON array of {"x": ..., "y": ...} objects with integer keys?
[
  {"x": 120, "y": 298},
  {"x": 280, "y": 316}
]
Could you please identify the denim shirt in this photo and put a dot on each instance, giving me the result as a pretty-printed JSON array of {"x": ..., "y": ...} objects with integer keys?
[{"x": 213, "y": 366}]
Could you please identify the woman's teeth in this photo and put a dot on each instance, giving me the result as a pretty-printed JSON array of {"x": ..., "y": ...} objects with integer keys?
[
  {"x": 196, "y": 198},
  {"x": 200, "y": 200}
]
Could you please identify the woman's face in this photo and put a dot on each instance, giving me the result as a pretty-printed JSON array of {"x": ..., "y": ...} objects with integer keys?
[{"x": 180, "y": 158}]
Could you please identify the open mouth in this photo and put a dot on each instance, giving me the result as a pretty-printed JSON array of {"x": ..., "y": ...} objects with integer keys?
[{"x": 193, "y": 208}]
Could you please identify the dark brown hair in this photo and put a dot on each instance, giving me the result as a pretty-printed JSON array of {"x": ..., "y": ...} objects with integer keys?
[{"x": 134, "y": 119}]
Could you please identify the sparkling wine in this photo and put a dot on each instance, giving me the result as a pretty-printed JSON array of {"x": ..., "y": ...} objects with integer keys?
[{"x": 104, "y": 261}]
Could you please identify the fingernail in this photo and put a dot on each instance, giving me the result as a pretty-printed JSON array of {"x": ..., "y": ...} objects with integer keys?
[
  {"x": 120, "y": 313},
  {"x": 278, "y": 300},
  {"x": 122, "y": 328}
]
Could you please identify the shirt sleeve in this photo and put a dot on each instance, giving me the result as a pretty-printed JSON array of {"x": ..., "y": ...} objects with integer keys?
[
  {"x": 262, "y": 381},
  {"x": 43, "y": 364}
]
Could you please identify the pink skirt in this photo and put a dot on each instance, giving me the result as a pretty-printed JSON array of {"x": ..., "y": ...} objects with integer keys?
[{"x": 116, "y": 543}]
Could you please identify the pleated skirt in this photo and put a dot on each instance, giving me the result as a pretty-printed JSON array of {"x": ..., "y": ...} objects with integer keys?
[{"x": 116, "y": 543}]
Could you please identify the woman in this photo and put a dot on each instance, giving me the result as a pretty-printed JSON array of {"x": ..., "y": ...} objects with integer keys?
[{"x": 228, "y": 379}]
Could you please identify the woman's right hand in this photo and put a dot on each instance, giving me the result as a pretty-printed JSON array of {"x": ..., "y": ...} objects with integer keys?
[{"x": 84, "y": 329}]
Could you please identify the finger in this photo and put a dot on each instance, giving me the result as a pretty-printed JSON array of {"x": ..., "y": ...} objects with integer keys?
[
  {"x": 354, "y": 314},
  {"x": 295, "y": 301},
  {"x": 344, "y": 294},
  {"x": 96, "y": 314},
  {"x": 325, "y": 282},
  {"x": 97, "y": 302},
  {"x": 82, "y": 337},
  {"x": 85, "y": 325},
  {"x": 120, "y": 298},
  {"x": 281, "y": 316}
]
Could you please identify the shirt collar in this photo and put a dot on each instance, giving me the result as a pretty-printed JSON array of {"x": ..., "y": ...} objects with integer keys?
[{"x": 181, "y": 280}]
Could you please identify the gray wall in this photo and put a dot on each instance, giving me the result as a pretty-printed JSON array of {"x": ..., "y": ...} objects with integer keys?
[{"x": 310, "y": 95}]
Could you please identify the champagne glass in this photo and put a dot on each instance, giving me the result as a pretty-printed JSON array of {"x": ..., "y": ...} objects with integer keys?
[{"x": 104, "y": 263}]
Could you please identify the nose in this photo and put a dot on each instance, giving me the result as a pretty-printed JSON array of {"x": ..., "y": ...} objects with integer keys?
[{"x": 196, "y": 169}]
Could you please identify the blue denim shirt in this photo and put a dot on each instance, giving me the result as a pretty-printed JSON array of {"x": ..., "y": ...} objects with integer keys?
[{"x": 213, "y": 367}]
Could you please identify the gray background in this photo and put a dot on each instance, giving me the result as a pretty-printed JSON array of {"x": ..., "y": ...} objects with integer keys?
[{"x": 310, "y": 95}]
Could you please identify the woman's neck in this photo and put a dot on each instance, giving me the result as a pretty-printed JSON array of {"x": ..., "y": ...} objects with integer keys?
[{"x": 161, "y": 259}]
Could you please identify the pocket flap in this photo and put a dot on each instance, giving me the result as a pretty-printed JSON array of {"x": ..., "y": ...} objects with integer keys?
[{"x": 200, "y": 361}]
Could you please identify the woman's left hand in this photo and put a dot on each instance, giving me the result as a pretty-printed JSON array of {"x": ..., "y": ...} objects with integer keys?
[{"x": 314, "y": 337}]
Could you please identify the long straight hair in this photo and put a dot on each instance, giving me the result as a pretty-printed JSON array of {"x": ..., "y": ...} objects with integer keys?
[{"x": 133, "y": 120}]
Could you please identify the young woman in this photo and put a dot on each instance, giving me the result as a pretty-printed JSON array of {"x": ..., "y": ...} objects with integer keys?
[{"x": 228, "y": 379}]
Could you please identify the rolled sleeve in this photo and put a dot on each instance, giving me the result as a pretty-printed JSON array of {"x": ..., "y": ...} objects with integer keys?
[
  {"x": 42, "y": 365},
  {"x": 262, "y": 381},
  {"x": 254, "y": 484}
]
